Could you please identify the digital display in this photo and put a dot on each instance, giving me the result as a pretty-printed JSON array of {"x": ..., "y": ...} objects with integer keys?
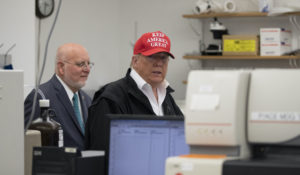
[{"x": 141, "y": 147}]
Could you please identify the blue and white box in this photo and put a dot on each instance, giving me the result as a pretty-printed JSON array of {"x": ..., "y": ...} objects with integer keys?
[{"x": 275, "y": 41}]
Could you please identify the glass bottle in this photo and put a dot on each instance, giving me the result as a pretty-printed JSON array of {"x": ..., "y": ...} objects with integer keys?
[{"x": 51, "y": 131}]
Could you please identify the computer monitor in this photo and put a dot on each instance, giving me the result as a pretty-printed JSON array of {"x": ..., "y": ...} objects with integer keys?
[{"x": 140, "y": 144}]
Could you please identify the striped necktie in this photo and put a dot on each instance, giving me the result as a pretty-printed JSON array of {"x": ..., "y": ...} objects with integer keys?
[{"x": 77, "y": 112}]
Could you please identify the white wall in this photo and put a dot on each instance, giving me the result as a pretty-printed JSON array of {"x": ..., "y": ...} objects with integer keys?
[
  {"x": 92, "y": 23},
  {"x": 107, "y": 28},
  {"x": 18, "y": 27}
]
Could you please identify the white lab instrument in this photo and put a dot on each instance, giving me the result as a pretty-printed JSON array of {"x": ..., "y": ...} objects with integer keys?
[
  {"x": 216, "y": 112},
  {"x": 12, "y": 122},
  {"x": 194, "y": 165},
  {"x": 274, "y": 107},
  {"x": 273, "y": 125},
  {"x": 215, "y": 121}
]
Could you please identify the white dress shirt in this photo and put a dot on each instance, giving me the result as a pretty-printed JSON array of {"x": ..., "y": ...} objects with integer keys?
[
  {"x": 70, "y": 94},
  {"x": 147, "y": 90}
]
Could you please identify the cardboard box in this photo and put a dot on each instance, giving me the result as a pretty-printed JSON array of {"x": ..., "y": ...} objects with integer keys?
[
  {"x": 275, "y": 41},
  {"x": 240, "y": 45}
]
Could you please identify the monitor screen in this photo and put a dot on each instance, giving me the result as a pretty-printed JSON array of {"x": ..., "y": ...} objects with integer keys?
[{"x": 140, "y": 145}]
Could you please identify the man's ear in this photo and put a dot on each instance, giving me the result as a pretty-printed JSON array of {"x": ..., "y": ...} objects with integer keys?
[
  {"x": 134, "y": 59},
  {"x": 60, "y": 68}
]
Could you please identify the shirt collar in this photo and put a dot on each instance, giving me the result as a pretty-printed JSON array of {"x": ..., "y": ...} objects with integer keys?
[
  {"x": 70, "y": 93},
  {"x": 141, "y": 82}
]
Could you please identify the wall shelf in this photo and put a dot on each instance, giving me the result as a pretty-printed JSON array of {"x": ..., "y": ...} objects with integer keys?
[
  {"x": 239, "y": 57},
  {"x": 238, "y": 60},
  {"x": 238, "y": 14}
]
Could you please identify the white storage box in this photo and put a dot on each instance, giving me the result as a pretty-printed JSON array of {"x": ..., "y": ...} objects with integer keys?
[{"x": 275, "y": 41}]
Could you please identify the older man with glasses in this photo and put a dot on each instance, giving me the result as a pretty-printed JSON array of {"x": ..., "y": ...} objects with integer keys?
[
  {"x": 143, "y": 90},
  {"x": 63, "y": 90}
]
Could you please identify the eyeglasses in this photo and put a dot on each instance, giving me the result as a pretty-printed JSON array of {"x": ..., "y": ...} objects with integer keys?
[{"x": 82, "y": 65}]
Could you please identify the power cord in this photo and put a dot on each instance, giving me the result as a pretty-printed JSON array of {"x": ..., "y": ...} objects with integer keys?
[{"x": 43, "y": 67}]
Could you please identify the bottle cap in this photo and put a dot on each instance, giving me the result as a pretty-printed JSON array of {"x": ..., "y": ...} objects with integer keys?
[{"x": 44, "y": 103}]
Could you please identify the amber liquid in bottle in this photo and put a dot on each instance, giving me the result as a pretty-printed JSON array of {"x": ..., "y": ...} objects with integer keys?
[{"x": 51, "y": 131}]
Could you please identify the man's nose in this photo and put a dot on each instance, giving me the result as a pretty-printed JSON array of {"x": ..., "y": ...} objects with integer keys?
[
  {"x": 86, "y": 68},
  {"x": 159, "y": 62}
]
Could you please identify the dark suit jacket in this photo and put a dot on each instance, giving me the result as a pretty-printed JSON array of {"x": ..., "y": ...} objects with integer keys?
[{"x": 65, "y": 115}]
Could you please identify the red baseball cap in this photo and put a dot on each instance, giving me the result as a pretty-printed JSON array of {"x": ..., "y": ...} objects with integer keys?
[{"x": 152, "y": 43}]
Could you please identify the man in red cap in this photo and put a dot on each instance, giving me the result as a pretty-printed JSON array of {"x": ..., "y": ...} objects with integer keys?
[{"x": 143, "y": 90}]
